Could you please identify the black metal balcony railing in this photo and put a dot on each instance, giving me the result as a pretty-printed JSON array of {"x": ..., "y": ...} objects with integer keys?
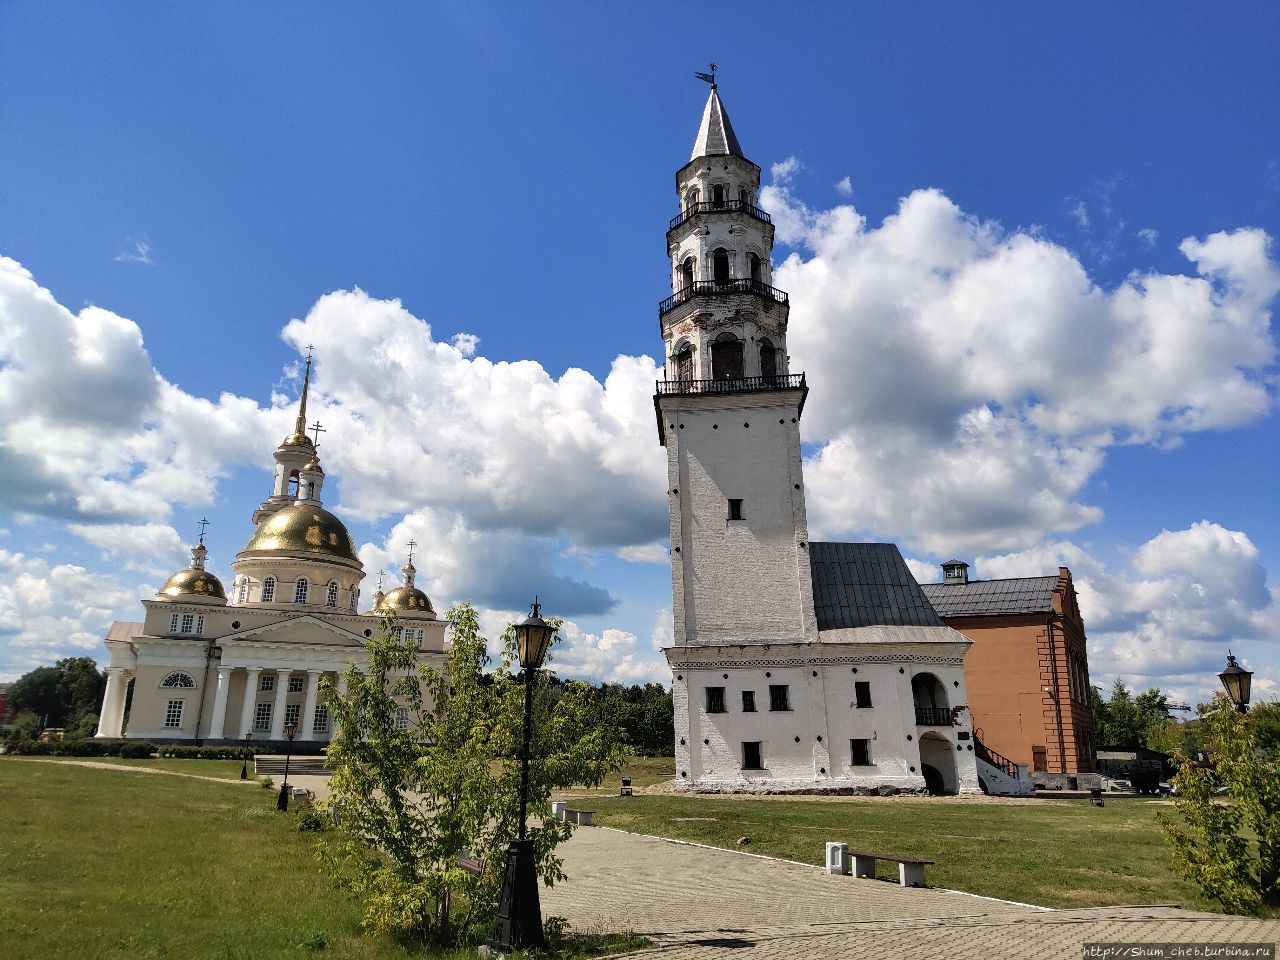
[
  {"x": 1002, "y": 763},
  {"x": 722, "y": 288},
  {"x": 933, "y": 717},
  {"x": 724, "y": 206},
  {"x": 788, "y": 381}
]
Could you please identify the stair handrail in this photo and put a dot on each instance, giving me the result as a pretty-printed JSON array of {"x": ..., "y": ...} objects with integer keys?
[{"x": 1001, "y": 763}]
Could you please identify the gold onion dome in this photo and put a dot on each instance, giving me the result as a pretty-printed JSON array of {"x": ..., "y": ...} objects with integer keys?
[
  {"x": 193, "y": 582},
  {"x": 303, "y": 528},
  {"x": 407, "y": 599}
]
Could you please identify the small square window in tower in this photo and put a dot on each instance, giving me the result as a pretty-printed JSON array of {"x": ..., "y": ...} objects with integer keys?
[
  {"x": 715, "y": 700},
  {"x": 779, "y": 697},
  {"x": 748, "y": 701},
  {"x": 735, "y": 509},
  {"x": 751, "y": 755},
  {"x": 862, "y": 693},
  {"x": 860, "y": 753}
]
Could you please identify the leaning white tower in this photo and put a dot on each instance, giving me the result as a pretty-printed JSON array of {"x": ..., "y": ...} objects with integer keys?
[
  {"x": 729, "y": 410},
  {"x": 795, "y": 666}
]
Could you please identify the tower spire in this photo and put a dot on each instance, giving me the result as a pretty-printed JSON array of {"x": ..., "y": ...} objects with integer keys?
[{"x": 300, "y": 424}]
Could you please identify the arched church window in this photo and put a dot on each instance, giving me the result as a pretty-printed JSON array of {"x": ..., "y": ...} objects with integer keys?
[
  {"x": 268, "y": 589},
  {"x": 720, "y": 265},
  {"x": 757, "y": 273},
  {"x": 331, "y": 594},
  {"x": 293, "y": 483},
  {"x": 184, "y": 680},
  {"x": 686, "y": 273},
  {"x": 743, "y": 198},
  {"x": 717, "y": 195},
  {"x": 768, "y": 360},
  {"x": 726, "y": 357},
  {"x": 684, "y": 363},
  {"x": 311, "y": 489},
  {"x": 301, "y": 590},
  {"x": 691, "y": 198}
]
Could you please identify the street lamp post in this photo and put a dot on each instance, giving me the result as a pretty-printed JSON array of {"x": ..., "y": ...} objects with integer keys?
[
  {"x": 1236, "y": 680},
  {"x": 282, "y": 802},
  {"x": 244, "y": 767},
  {"x": 519, "y": 923}
]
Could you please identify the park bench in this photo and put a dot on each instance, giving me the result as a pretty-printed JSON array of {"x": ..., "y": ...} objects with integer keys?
[
  {"x": 567, "y": 814},
  {"x": 840, "y": 858}
]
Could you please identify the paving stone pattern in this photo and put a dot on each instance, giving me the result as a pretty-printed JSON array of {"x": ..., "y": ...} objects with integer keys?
[{"x": 699, "y": 902}]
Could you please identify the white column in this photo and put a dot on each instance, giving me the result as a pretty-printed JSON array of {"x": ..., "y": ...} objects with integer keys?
[
  {"x": 250, "y": 700},
  {"x": 277, "y": 712},
  {"x": 220, "y": 704},
  {"x": 111, "y": 718},
  {"x": 307, "y": 724}
]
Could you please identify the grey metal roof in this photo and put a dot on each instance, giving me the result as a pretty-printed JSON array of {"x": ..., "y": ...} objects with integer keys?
[
  {"x": 715, "y": 134},
  {"x": 866, "y": 585},
  {"x": 982, "y": 598}
]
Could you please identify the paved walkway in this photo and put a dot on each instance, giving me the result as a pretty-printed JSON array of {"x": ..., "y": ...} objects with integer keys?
[{"x": 699, "y": 903}]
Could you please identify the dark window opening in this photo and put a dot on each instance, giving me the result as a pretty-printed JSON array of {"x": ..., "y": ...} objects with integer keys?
[
  {"x": 726, "y": 358},
  {"x": 715, "y": 700},
  {"x": 742, "y": 195},
  {"x": 862, "y": 690},
  {"x": 860, "y": 753},
  {"x": 779, "y": 698},
  {"x": 293, "y": 483},
  {"x": 684, "y": 364},
  {"x": 717, "y": 195},
  {"x": 751, "y": 755},
  {"x": 768, "y": 360},
  {"x": 686, "y": 272},
  {"x": 735, "y": 509},
  {"x": 720, "y": 265},
  {"x": 748, "y": 701},
  {"x": 756, "y": 272}
]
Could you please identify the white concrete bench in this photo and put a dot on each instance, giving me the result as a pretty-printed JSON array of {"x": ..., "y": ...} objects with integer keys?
[{"x": 863, "y": 864}]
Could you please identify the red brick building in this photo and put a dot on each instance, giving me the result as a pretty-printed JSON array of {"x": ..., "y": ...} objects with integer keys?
[{"x": 1027, "y": 673}]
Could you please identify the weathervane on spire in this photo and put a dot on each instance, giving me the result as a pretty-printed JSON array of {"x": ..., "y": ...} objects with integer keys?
[
  {"x": 709, "y": 77},
  {"x": 203, "y": 523}
]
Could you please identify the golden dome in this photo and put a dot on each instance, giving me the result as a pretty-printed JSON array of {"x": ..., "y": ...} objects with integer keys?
[
  {"x": 408, "y": 599},
  {"x": 303, "y": 529},
  {"x": 193, "y": 582}
]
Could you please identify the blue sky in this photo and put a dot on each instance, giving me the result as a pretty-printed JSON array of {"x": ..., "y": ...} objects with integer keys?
[{"x": 1014, "y": 357}]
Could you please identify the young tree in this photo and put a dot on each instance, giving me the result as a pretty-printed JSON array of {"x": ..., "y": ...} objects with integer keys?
[
  {"x": 1229, "y": 846},
  {"x": 408, "y": 800}
]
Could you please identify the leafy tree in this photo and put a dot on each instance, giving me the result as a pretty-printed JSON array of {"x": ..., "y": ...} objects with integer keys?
[
  {"x": 63, "y": 694},
  {"x": 1229, "y": 847},
  {"x": 408, "y": 800},
  {"x": 644, "y": 712},
  {"x": 1126, "y": 720}
]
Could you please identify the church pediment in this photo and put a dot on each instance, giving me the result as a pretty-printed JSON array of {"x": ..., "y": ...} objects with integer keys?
[{"x": 305, "y": 628}]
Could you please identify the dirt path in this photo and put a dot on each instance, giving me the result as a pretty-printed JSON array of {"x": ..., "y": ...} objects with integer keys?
[{"x": 120, "y": 766}]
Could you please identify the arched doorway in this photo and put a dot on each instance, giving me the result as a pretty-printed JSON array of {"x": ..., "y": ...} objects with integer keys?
[
  {"x": 720, "y": 265},
  {"x": 768, "y": 360},
  {"x": 930, "y": 696},
  {"x": 938, "y": 764}
]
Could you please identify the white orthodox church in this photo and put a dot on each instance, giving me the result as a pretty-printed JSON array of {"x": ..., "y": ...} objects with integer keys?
[
  {"x": 796, "y": 666},
  {"x": 212, "y": 668}
]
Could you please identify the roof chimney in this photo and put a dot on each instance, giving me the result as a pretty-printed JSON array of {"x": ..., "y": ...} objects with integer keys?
[{"x": 955, "y": 571}]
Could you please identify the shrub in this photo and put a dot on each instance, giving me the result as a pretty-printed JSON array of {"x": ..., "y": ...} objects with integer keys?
[
  {"x": 266, "y": 783},
  {"x": 136, "y": 749}
]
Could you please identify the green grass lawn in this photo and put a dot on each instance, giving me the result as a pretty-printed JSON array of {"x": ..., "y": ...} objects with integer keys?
[
  {"x": 110, "y": 864},
  {"x": 221, "y": 769},
  {"x": 1050, "y": 853}
]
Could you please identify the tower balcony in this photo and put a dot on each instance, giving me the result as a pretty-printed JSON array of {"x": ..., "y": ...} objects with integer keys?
[
  {"x": 724, "y": 206},
  {"x": 721, "y": 288},
  {"x": 780, "y": 381}
]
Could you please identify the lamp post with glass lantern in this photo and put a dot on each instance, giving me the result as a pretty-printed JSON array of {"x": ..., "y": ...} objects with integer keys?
[
  {"x": 282, "y": 802},
  {"x": 519, "y": 923},
  {"x": 1236, "y": 680}
]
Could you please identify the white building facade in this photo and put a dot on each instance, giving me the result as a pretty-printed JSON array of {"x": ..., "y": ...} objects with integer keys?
[
  {"x": 211, "y": 668},
  {"x": 796, "y": 666}
]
